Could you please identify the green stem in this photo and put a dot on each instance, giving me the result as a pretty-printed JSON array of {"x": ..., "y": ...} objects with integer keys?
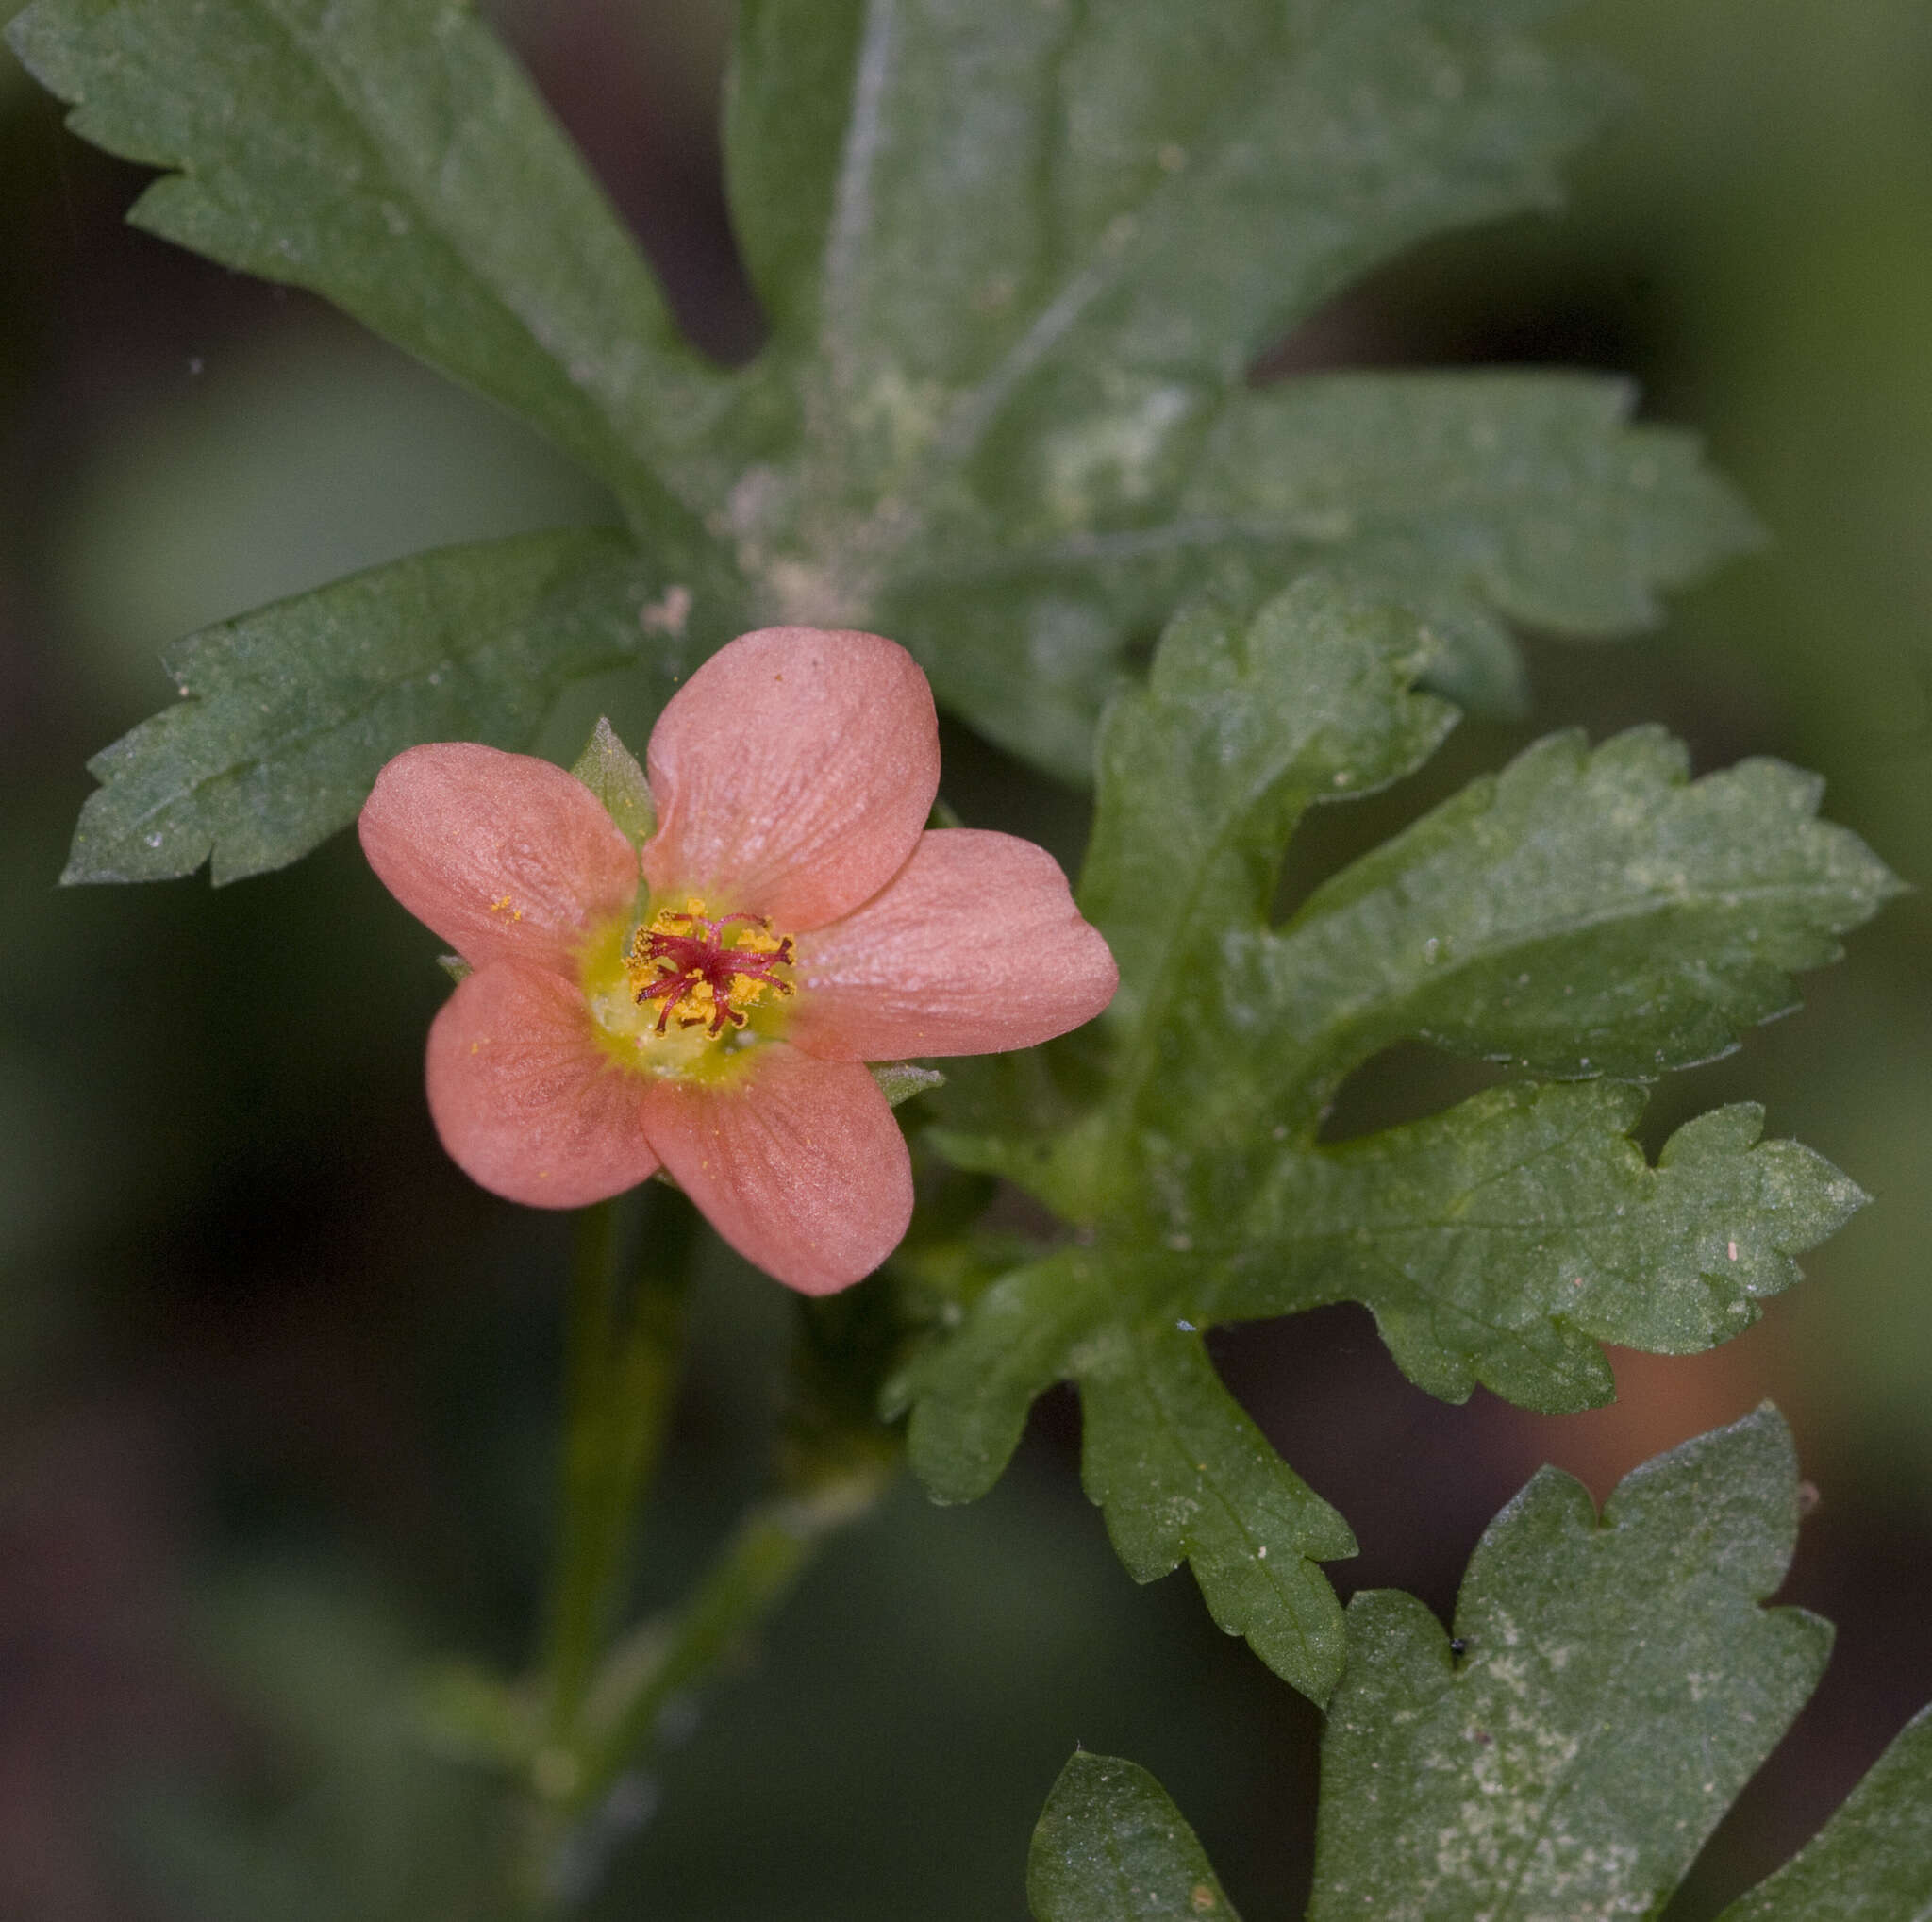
[
  {"x": 603, "y": 1705},
  {"x": 744, "y": 1587},
  {"x": 621, "y": 1360}
]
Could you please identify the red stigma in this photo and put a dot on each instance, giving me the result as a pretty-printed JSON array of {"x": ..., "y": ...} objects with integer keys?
[{"x": 700, "y": 959}]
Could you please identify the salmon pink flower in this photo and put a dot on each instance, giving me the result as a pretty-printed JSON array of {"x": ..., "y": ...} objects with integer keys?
[{"x": 709, "y": 1006}]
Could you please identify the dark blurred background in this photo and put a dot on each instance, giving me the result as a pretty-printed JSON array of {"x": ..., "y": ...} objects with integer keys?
[{"x": 278, "y": 1384}]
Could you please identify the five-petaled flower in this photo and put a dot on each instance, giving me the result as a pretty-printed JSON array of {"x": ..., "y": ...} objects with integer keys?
[{"x": 796, "y": 920}]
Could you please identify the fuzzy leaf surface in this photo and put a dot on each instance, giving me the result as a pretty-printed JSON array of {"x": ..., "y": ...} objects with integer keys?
[
  {"x": 1019, "y": 450},
  {"x": 287, "y": 715},
  {"x": 1181, "y": 1473},
  {"x": 1613, "y": 1682},
  {"x": 1204, "y": 773},
  {"x": 1111, "y": 1846},
  {"x": 1620, "y": 1683},
  {"x": 1018, "y": 446},
  {"x": 1132, "y": 191},
  {"x": 389, "y": 156},
  {"x": 1586, "y": 911},
  {"x": 1474, "y": 498},
  {"x": 1500, "y": 1242},
  {"x": 1873, "y": 1861}
]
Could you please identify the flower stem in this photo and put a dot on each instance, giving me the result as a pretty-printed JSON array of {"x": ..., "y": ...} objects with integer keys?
[
  {"x": 603, "y": 1705},
  {"x": 753, "y": 1574},
  {"x": 622, "y": 1349}
]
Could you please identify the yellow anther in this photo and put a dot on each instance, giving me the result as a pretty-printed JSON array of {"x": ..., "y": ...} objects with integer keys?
[{"x": 689, "y": 963}]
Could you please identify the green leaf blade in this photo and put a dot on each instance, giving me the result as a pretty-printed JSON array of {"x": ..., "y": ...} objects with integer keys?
[
  {"x": 1206, "y": 771},
  {"x": 1612, "y": 1683},
  {"x": 1183, "y": 1474},
  {"x": 1588, "y": 913},
  {"x": 1023, "y": 450},
  {"x": 1619, "y": 1684},
  {"x": 787, "y": 106},
  {"x": 970, "y": 1393},
  {"x": 1499, "y": 1242},
  {"x": 290, "y": 713},
  {"x": 389, "y": 156},
  {"x": 1111, "y": 1847},
  {"x": 1472, "y": 498},
  {"x": 1129, "y": 184},
  {"x": 1873, "y": 1861}
]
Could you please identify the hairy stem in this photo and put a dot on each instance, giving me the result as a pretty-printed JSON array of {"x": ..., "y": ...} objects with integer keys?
[
  {"x": 753, "y": 1574},
  {"x": 622, "y": 1350}
]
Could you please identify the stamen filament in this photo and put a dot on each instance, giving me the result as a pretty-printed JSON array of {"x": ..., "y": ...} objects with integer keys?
[{"x": 696, "y": 966}]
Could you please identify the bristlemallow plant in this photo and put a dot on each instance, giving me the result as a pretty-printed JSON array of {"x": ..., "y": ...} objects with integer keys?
[{"x": 1017, "y": 260}]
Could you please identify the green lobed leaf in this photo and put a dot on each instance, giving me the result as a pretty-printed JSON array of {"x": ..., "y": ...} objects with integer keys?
[
  {"x": 390, "y": 154},
  {"x": 1498, "y": 1242},
  {"x": 1111, "y": 1846},
  {"x": 287, "y": 715},
  {"x": 1178, "y": 1468},
  {"x": 1586, "y": 911},
  {"x": 1132, "y": 193},
  {"x": 1501, "y": 1242},
  {"x": 968, "y": 1393},
  {"x": 1022, "y": 449},
  {"x": 1873, "y": 1861},
  {"x": 1203, "y": 775},
  {"x": 1619, "y": 1685},
  {"x": 1468, "y": 497},
  {"x": 1183, "y": 1474},
  {"x": 1612, "y": 1684},
  {"x": 1016, "y": 451}
]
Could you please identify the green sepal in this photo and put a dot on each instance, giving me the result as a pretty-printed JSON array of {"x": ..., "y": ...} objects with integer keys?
[
  {"x": 899, "y": 1081},
  {"x": 611, "y": 771}
]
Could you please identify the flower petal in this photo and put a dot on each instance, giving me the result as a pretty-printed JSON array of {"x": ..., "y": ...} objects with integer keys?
[
  {"x": 793, "y": 773},
  {"x": 798, "y": 1165},
  {"x": 501, "y": 854},
  {"x": 974, "y": 946},
  {"x": 525, "y": 1101}
]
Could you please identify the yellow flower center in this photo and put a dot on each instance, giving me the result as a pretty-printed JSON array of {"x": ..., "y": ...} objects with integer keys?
[{"x": 688, "y": 985}]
